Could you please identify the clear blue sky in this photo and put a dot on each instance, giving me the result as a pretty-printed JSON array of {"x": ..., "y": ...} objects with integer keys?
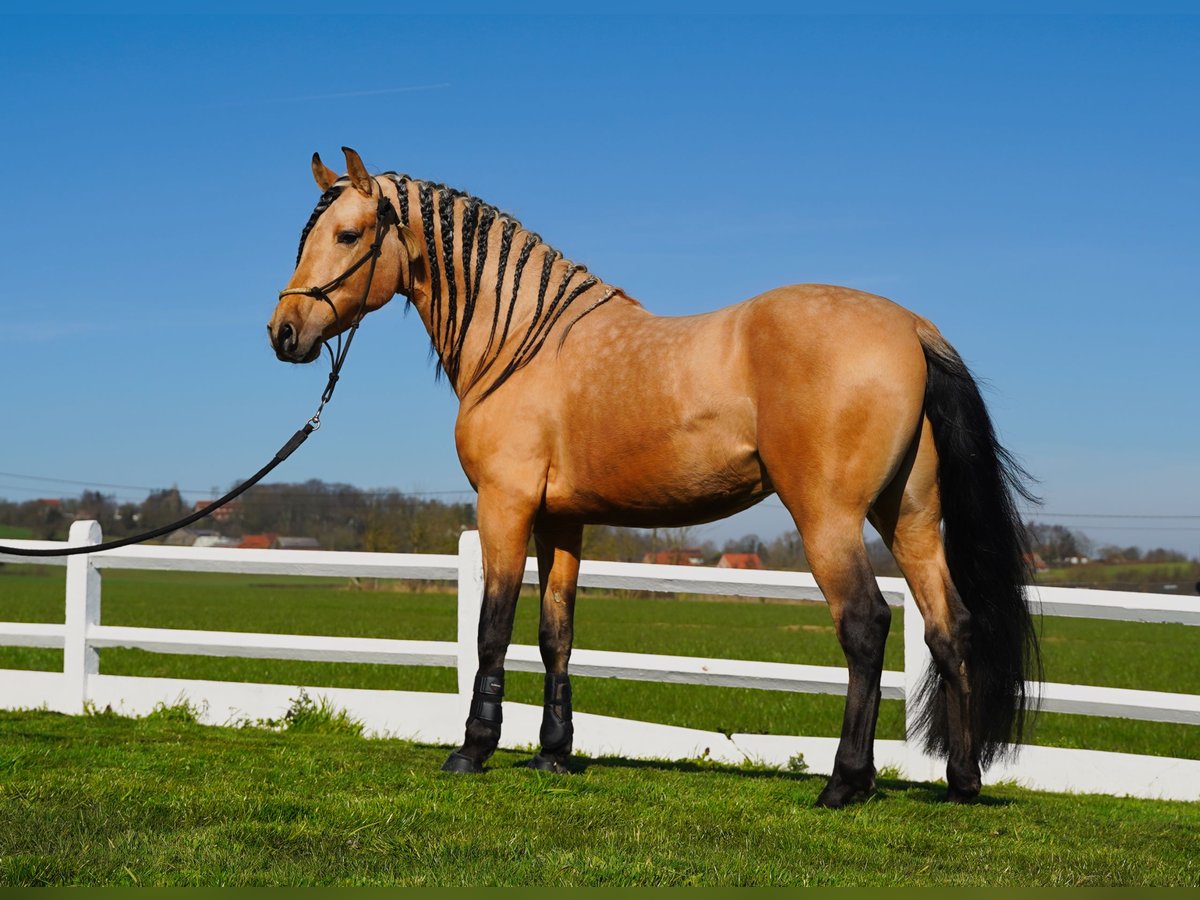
[{"x": 1029, "y": 183}]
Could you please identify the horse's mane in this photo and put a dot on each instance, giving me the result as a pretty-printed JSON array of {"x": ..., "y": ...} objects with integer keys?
[{"x": 450, "y": 318}]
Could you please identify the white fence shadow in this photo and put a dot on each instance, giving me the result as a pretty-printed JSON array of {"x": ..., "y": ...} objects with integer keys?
[{"x": 438, "y": 718}]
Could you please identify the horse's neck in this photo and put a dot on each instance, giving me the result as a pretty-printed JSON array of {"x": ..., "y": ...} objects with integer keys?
[{"x": 490, "y": 292}]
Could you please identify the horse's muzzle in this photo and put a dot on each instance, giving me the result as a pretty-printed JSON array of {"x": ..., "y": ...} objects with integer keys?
[{"x": 286, "y": 344}]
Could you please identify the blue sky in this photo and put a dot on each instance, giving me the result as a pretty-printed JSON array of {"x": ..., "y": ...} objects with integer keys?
[{"x": 1029, "y": 183}]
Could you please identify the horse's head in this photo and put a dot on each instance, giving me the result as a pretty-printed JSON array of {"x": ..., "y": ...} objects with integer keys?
[{"x": 349, "y": 262}]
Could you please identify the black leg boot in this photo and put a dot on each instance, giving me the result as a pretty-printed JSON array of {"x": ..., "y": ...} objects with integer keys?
[
  {"x": 483, "y": 725},
  {"x": 557, "y": 732}
]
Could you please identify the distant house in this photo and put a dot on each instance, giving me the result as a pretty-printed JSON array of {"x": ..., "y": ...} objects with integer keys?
[
  {"x": 1035, "y": 560},
  {"x": 222, "y": 514},
  {"x": 739, "y": 561},
  {"x": 689, "y": 556},
  {"x": 271, "y": 541},
  {"x": 297, "y": 543},
  {"x": 215, "y": 540},
  {"x": 258, "y": 541}
]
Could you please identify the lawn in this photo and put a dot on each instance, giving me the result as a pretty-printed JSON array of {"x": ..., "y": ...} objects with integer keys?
[
  {"x": 1146, "y": 656},
  {"x": 102, "y": 800}
]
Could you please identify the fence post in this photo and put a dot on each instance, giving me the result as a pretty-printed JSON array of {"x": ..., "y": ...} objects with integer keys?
[
  {"x": 470, "y": 602},
  {"x": 83, "y": 611},
  {"x": 916, "y": 662}
]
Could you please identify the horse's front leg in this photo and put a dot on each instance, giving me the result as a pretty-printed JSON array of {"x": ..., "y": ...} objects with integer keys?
[
  {"x": 558, "y": 549},
  {"x": 504, "y": 526}
]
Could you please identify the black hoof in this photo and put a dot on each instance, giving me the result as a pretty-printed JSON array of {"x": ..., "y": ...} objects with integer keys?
[
  {"x": 837, "y": 794},
  {"x": 958, "y": 795},
  {"x": 549, "y": 764},
  {"x": 456, "y": 762}
]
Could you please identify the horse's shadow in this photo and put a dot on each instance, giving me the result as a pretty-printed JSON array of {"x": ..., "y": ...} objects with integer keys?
[{"x": 885, "y": 787}]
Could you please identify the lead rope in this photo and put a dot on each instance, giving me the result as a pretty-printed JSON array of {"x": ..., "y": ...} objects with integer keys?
[{"x": 385, "y": 215}]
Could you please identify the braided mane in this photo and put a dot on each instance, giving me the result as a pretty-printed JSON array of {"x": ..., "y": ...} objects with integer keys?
[{"x": 451, "y": 315}]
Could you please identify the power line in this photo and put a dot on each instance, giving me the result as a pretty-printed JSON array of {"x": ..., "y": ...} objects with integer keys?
[{"x": 208, "y": 491}]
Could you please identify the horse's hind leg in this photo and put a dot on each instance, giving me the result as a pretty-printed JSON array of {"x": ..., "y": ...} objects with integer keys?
[
  {"x": 908, "y": 516},
  {"x": 558, "y": 549},
  {"x": 835, "y": 550}
]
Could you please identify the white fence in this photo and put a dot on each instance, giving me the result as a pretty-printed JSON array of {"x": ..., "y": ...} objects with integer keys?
[{"x": 429, "y": 717}]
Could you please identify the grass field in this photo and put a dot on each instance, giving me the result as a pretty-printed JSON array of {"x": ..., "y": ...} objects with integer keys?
[
  {"x": 104, "y": 800},
  {"x": 1152, "y": 657}
]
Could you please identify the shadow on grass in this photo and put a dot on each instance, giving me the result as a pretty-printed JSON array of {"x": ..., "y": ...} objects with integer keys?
[{"x": 885, "y": 788}]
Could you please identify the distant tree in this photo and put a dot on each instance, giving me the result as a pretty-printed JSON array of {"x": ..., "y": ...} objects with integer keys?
[
  {"x": 787, "y": 552},
  {"x": 161, "y": 507},
  {"x": 1163, "y": 555},
  {"x": 1057, "y": 543}
]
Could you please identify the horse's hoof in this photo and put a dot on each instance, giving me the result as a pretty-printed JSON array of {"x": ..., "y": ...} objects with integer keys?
[
  {"x": 456, "y": 762},
  {"x": 837, "y": 794},
  {"x": 957, "y": 795},
  {"x": 549, "y": 764}
]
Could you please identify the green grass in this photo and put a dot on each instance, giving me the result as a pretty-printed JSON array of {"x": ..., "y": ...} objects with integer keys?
[
  {"x": 15, "y": 531},
  {"x": 103, "y": 800},
  {"x": 1080, "y": 651}
]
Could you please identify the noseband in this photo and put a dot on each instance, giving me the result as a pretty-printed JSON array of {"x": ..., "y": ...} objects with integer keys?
[{"x": 385, "y": 217}]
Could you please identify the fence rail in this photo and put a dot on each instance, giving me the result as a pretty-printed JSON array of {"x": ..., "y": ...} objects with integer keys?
[{"x": 83, "y": 636}]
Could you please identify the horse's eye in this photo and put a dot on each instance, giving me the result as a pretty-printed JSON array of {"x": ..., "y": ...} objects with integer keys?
[{"x": 348, "y": 237}]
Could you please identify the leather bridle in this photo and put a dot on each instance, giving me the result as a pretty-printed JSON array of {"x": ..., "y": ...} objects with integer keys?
[{"x": 385, "y": 217}]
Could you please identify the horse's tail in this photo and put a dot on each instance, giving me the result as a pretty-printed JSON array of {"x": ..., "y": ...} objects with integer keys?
[{"x": 986, "y": 551}]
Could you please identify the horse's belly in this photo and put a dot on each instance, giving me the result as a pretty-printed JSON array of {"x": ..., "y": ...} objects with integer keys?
[{"x": 658, "y": 479}]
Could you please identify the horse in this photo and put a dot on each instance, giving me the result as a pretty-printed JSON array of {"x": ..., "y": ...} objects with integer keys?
[{"x": 578, "y": 406}]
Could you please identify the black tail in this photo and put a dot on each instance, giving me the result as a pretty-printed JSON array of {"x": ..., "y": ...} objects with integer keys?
[{"x": 986, "y": 550}]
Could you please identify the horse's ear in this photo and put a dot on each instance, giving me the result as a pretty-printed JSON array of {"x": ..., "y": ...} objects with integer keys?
[
  {"x": 325, "y": 176},
  {"x": 362, "y": 182}
]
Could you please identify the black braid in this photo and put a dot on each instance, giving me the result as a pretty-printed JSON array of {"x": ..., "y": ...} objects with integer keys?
[
  {"x": 401, "y": 182},
  {"x": 538, "y": 319},
  {"x": 446, "y": 217},
  {"x": 448, "y": 323},
  {"x": 425, "y": 197},
  {"x": 531, "y": 241},
  {"x": 486, "y": 217},
  {"x": 323, "y": 203},
  {"x": 554, "y": 312},
  {"x": 608, "y": 295},
  {"x": 506, "y": 236},
  {"x": 470, "y": 222}
]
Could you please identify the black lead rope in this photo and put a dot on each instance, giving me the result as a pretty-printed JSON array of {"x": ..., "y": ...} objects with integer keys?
[
  {"x": 284, "y": 452},
  {"x": 386, "y": 215}
]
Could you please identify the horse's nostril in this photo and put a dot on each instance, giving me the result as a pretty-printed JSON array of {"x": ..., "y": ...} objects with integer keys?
[{"x": 286, "y": 338}]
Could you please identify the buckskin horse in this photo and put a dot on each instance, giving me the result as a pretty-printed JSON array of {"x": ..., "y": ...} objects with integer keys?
[{"x": 577, "y": 405}]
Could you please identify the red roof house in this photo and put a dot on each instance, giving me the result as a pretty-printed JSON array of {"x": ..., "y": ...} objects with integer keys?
[{"x": 739, "y": 561}]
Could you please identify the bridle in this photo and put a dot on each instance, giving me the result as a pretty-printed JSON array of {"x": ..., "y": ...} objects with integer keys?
[{"x": 385, "y": 217}]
